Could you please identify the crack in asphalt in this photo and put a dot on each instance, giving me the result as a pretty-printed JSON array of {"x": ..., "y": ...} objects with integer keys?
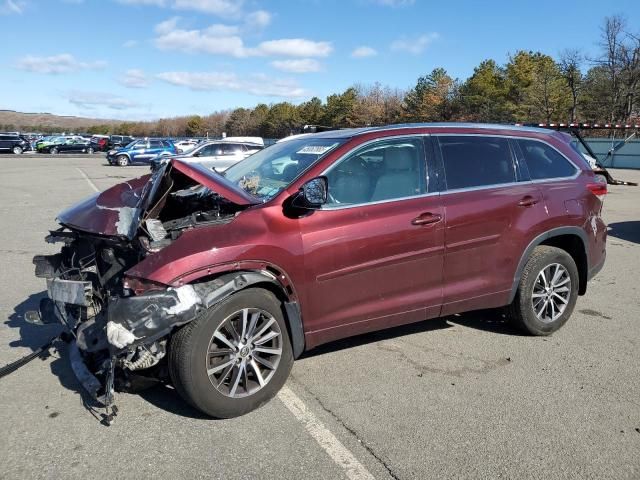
[{"x": 349, "y": 429}]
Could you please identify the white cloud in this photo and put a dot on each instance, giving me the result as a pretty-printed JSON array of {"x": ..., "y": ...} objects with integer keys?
[
  {"x": 201, "y": 41},
  {"x": 294, "y": 47},
  {"x": 130, "y": 43},
  {"x": 220, "y": 30},
  {"x": 256, "y": 84},
  {"x": 416, "y": 45},
  {"x": 395, "y": 3},
  {"x": 55, "y": 64},
  {"x": 156, "y": 3},
  {"x": 92, "y": 100},
  {"x": 134, "y": 78},
  {"x": 223, "y": 8},
  {"x": 167, "y": 26},
  {"x": 12, "y": 7},
  {"x": 303, "y": 65},
  {"x": 258, "y": 19},
  {"x": 364, "y": 51},
  {"x": 219, "y": 39}
]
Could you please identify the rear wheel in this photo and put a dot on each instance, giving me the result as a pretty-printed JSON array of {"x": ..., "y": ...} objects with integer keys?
[
  {"x": 90, "y": 150},
  {"x": 547, "y": 292},
  {"x": 122, "y": 160},
  {"x": 235, "y": 357},
  {"x": 17, "y": 150},
  {"x": 53, "y": 151}
]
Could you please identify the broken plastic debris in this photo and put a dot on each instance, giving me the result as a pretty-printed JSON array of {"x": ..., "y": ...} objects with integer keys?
[
  {"x": 187, "y": 298},
  {"x": 118, "y": 336}
]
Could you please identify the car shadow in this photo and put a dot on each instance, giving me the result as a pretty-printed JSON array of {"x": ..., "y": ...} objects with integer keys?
[
  {"x": 629, "y": 231},
  {"x": 166, "y": 398},
  {"x": 491, "y": 320},
  {"x": 35, "y": 336}
]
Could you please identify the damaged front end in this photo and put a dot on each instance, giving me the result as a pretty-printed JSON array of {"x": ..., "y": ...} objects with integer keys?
[{"x": 121, "y": 325}]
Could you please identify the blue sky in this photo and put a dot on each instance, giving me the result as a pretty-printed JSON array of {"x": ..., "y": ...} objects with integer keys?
[{"x": 144, "y": 59}]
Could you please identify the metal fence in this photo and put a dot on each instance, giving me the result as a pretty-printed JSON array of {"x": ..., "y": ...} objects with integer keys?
[{"x": 626, "y": 156}]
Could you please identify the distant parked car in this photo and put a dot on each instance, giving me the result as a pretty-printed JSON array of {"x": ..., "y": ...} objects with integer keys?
[
  {"x": 141, "y": 151},
  {"x": 100, "y": 142},
  {"x": 44, "y": 145},
  {"x": 184, "y": 146},
  {"x": 70, "y": 145},
  {"x": 219, "y": 154},
  {"x": 117, "y": 141},
  {"x": 15, "y": 143}
]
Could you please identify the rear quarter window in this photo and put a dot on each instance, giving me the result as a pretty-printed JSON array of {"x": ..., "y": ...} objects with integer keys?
[
  {"x": 476, "y": 161},
  {"x": 545, "y": 162}
]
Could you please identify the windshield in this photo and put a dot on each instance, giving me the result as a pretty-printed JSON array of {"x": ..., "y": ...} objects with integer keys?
[
  {"x": 130, "y": 144},
  {"x": 267, "y": 172}
]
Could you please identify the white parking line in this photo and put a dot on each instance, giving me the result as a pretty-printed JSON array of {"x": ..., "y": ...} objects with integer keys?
[
  {"x": 89, "y": 181},
  {"x": 334, "y": 448}
]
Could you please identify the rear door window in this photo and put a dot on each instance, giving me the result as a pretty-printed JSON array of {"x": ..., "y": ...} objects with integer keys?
[
  {"x": 231, "y": 148},
  {"x": 476, "y": 161},
  {"x": 545, "y": 162}
]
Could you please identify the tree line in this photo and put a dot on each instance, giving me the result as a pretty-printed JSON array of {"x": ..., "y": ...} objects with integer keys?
[{"x": 530, "y": 87}]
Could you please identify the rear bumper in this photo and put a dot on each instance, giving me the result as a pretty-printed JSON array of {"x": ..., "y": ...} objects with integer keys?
[{"x": 595, "y": 269}]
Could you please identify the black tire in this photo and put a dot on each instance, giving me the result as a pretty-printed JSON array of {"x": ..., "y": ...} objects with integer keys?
[
  {"x": 53, "y": 151},
  {"x": 521, "y": 311},
  {"x": 90, "y": 150},
  {"x": 122, "y": 160},
  {"x": 188, "y": 353},
  {"x": 17, "y": 150}
]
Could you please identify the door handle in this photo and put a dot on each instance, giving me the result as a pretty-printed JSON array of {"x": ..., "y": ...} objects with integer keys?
[
  {"x": 528, "y": 201},
  {"x": 426, "y": 219}
]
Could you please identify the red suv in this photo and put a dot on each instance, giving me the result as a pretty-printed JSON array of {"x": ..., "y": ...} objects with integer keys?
[{"x": 219, "y": 282}]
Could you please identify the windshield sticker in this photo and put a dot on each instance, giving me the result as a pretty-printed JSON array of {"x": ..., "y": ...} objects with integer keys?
[{"x": 316, "y": 149}]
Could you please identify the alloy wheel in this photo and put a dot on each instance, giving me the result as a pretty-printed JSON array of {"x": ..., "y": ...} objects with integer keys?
[
  {"x": 551, "y": 292},
  {"x": 244, "y": 352}
]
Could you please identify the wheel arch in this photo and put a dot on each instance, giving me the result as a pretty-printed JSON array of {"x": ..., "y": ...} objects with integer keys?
[
  {"x": 218, "y": 287},
  {"x": 573, "y": 240}
]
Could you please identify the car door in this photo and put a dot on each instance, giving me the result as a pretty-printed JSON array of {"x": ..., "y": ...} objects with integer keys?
[
  {"x": 374, "y": 252},
  {"x": 156, "y": 147},
  {"x": 138, "y": 152},
  {"x": 488, "y": 204},
  {"x": 77, "y": 146},
  {"x": 5, "y": 142},
  {"x": 205, "y": 155},
  {"x": 66, "y": 145}
]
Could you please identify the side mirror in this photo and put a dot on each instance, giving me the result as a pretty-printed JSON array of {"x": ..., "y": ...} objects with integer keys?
[
  {"x": 197, "y": 154},
  {"x": 313, "y": 194}
]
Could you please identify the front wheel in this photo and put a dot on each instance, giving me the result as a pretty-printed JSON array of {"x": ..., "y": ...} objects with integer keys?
[
  {"x": 547, "y": 291},
  {"x": 17, "y": 150},
  {"x": 90, "y": 150},
  {"x": 53, "y": 151},
  {"x": 122, "y": 160},
  {"x": 235, "y": 357}
]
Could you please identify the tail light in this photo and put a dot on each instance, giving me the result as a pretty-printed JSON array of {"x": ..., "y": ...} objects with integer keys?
[{"x": 599, "y": 189}]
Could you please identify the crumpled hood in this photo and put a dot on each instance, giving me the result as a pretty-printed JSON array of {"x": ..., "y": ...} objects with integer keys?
[
  {"x": 113, "y": 212},
  {"x": 118, "y": 210},
  {"x": 216, "y": 182}
]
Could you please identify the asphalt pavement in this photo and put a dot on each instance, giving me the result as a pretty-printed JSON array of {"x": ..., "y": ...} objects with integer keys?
[{"x": 460, "y": 397}]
